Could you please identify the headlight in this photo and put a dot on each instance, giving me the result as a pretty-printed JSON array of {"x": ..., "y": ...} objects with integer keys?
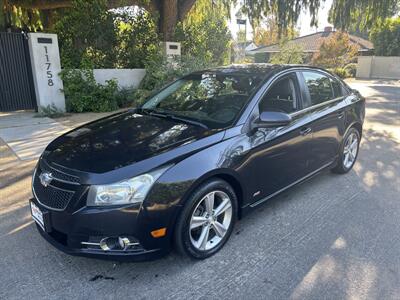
[{"x": 129, "y": 191}]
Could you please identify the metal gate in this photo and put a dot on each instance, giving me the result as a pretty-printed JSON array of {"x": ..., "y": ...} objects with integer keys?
[{"x": 16, "y": 82}]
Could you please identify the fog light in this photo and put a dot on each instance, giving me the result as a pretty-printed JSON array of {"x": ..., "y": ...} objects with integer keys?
[
  {"x": 108, "y": 244},
  {"x": 113, "y": 243}
]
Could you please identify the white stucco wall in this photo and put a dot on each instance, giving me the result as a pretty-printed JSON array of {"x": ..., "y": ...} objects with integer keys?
[
  {"x": 127, "y": 78},
  {"x": 378, "y": 67}
]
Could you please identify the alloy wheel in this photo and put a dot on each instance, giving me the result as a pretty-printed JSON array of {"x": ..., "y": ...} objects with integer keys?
[
  {"x": 350, "y": 150},
  {"x": 210, "y": 220}
]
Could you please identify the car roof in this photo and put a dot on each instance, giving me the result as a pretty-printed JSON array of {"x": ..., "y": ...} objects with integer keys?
[{"x": 254, "y": 69}]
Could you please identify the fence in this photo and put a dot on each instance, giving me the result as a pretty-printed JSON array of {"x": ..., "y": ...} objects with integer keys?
[{"x": 378, "y": 67}]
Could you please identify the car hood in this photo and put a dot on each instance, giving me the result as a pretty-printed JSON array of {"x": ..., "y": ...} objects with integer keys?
[{"x": 120, "y": 140}]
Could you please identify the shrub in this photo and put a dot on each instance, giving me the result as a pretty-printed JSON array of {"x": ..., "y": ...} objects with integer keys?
[
  {"x": 89, "y": 32},
  {"x": 335, "y": 52},
  {"x": 351, "y": 69},
  {"x": 49, "y": 111},
  {"x": 341, "y": 72},
  {"x": 83, "y": 94}
]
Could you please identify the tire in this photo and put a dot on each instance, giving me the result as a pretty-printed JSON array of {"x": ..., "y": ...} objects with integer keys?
[
  {"x": 198, "y": 215},
  {"x": 345, "y": 165}
]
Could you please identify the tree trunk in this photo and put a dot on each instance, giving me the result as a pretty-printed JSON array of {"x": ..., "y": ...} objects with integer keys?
[
  {"x": 170, "y": 11},
  {"x": 168, "y": 18}
]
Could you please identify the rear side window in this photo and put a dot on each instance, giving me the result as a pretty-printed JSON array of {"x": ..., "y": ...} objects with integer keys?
[
  {"x": 319, "y": 86},
  {"x": 337, "y": 88}
]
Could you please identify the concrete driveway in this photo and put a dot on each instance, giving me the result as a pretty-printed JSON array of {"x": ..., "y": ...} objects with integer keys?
[{"x": 333, "y": 237}]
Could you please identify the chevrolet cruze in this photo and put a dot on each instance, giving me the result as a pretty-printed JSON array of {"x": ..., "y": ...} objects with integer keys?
[{"x": 179, "y": 170}]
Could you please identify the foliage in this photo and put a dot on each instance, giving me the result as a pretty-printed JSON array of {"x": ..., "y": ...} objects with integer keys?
[
  {"x": 86, "y": 33},
  {"x": 268, "y": 33},
  {"x": 336, "y": 51},
  {"x": 14, "y": 16},
  {"x": 92, "y": 36},
  {"x": 351, "y": 69},
  {"x": 83, "y": 94},
  {"x": 160, "y": 72},
  {"x": 287, "y": 12},
  {"x": 288, "y": 54},
  {"x": 386, "y": 37},
  {"x": 50, "y": 111},
  {"x": 261, "y": 57},
  {"x": 204, "y": 34},
  {"x": 365, "y": 13},
  {"x": 341, "y": 72},
  {"x": 137, "y": 39}
]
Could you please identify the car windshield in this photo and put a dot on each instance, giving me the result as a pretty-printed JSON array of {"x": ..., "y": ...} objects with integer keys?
[{"x": 213, "y": 99}]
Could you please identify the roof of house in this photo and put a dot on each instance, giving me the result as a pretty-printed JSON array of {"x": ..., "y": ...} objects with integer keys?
[{"x": 312, "y": 42}]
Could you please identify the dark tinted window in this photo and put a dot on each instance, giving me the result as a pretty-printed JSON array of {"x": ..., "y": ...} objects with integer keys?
[
  {"x": 212, "y": 98},
  {"x": 337, "y": 88},
  {"x": 319, "y": 87},
  {"x": 280, "y": 97}
]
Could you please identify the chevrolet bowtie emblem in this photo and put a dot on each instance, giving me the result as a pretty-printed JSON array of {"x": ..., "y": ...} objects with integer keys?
[{"x": 45, "y": 178}]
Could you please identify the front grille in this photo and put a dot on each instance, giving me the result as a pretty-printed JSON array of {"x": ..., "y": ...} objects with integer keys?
[
  {"x": 51, "y": 196},
  {"x": 57, "y": 174},
  {"x": 56, "y": 195}
]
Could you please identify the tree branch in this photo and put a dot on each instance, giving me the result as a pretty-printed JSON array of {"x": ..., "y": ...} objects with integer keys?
[
  {"x": 49, "y": 5},
  {"x": 184, "y": 7}
]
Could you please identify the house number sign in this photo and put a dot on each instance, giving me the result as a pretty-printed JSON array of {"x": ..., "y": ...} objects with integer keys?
[
  {"x": 48, "y": 68},
  {"x": 49, "y": 72}
]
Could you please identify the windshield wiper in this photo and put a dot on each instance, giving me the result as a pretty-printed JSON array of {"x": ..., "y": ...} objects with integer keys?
[{"x": 157, "y": 113}]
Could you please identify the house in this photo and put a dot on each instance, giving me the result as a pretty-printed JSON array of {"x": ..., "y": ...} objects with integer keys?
[{"x": 310, "y": 44}]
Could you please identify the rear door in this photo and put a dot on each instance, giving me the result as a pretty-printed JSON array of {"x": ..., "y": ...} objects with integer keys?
[{"x": 325, "y": 103}]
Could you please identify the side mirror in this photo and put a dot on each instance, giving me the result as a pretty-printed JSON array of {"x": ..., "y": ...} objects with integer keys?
[{"x": 270, "y": 119}]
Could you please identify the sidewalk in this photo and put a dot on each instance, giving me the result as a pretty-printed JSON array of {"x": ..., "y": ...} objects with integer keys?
[{"x": 24, "y": 136}]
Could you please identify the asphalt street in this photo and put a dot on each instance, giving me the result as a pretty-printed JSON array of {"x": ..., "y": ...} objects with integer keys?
[{"x": 333, "y": 237}]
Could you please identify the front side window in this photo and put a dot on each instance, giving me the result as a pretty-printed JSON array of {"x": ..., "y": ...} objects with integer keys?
[
  {"x": 319, "y": 87},
  {"x": 214, "y": 99},
  {"x": 281, "y": 97}
]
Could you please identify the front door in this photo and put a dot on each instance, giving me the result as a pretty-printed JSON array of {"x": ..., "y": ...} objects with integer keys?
[{"x": 279, "y": 156}]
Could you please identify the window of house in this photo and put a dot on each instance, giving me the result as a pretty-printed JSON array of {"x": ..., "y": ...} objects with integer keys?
[{"x": 281, "y": 97}]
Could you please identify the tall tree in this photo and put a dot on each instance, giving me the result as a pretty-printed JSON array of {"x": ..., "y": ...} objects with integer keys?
[
  {"x": 286, "y": 12},
  {"x": 169, "y": 12},
  {"x": 386, "y": 37},
  {"x": 365, "y": 13},
  {"x": 335, "y": 52},
  {"x": 267, "y": 33}
]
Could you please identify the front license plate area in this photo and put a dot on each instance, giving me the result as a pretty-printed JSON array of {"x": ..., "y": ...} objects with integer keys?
[{"x": 39, "y": 216}]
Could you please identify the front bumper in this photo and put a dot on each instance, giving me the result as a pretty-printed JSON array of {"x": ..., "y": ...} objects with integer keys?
[{"x": 68, "y": 231}]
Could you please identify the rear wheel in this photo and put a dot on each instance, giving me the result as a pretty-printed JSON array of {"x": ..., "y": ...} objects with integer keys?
[
  {"x": 348, "y": 152},
  {"x": 207, "y": 220}
]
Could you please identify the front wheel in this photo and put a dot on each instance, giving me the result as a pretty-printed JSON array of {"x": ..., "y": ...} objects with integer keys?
[
  {"x": 207, "y": 220},
  {"x": 348, "y": 152}
]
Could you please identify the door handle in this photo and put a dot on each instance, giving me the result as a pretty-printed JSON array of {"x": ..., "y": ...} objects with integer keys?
[
  {"x": 305, "y": 131},
  {"x": 341, "y": 115}
]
